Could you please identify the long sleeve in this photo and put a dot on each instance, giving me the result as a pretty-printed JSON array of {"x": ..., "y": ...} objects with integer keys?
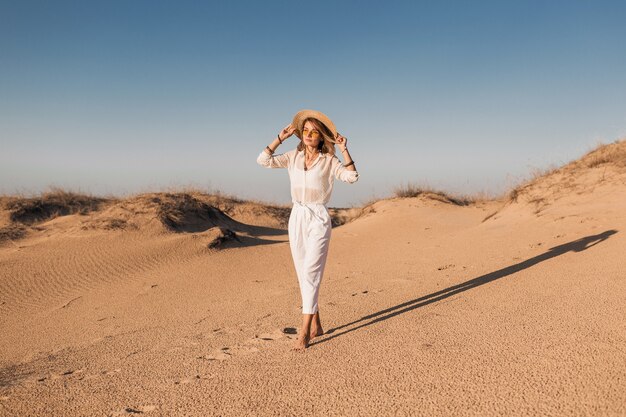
[
  {"x": 273, "y": 161},
  {"x": 342, "y": 173}
]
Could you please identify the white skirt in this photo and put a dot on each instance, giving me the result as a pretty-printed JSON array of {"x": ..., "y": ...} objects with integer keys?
[{"x": 309, "y": 238}]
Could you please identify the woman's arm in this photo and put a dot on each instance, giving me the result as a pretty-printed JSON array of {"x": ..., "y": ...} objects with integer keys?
[
  {"x": 346, "y": 172},
  {"x": 348, "y": 159},
  {"x": 267, "y": 158},
  {"x": 273, "y": 146}
]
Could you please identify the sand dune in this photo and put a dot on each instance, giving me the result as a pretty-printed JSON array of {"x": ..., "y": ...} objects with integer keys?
[{"x": 187, "y": 304}]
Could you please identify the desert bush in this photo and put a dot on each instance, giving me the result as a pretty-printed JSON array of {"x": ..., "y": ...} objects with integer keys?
[
  {"x": 54, "y": 203},
  {"x": 412, "y": 190},
  {"x": 613, "y": 153},
  {"x": 12, "y": 232}
]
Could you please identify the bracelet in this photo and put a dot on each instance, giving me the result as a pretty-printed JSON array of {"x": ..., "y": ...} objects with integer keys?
[
  {"x": 269, "y": 149},
  {"x": 345, "y": 149},
  {"x": 278, "y": 137},
  {"x": 349, "y": 163}
]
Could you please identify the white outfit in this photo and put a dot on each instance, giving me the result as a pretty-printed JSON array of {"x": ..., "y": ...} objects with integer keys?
[{"x": 309, "y": 221}]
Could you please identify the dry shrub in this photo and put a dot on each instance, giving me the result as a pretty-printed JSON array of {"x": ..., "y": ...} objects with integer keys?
[
  {"x": 184, "y": 212},
  {"x": 12, "y": 232},
  {"x": 535, "y": 176},
  {"x": 413, "y": 190},
  {"x": 215, "y": 198},
  {"x": 110, "y": 223},
  {"x": 229, "y": 204},
  {"x": 613, "y": 153},
  {"x": 232, "y": 205},
  {"x": 341, "y": 216},
  {"x": 223, "y": 237},
  {"x": 51, "y": 204}
]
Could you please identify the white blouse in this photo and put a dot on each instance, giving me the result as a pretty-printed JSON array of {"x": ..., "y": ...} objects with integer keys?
[{"x": 314, "y": 185}]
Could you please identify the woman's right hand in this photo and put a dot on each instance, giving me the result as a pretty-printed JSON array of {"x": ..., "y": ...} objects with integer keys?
[{"x": 286, "y": 132}]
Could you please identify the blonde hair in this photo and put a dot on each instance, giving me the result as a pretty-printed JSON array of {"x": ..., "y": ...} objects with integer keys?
[{"x": 326, "y": 145}]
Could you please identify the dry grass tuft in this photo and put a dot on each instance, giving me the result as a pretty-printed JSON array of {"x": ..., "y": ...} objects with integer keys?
[
  {"x": 613, "y": 153},
  {"x": 12, "y": 232},
  {"x": 110, "y": 223},
  {"x": 184, "y": 212},
  {"x": 224, "y": 237},
  {"x": 341, "y": 216},
  {"x": 535, "y": 176},
  {"x": 413, "y": 190},
  {"x": 232, "y": 205},
  {"x": 228, "y": 204},
  {"x": 56, "y": 202}
]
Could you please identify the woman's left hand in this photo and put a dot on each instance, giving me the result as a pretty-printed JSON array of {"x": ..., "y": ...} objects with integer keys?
[{"x": 342, "y": 141}]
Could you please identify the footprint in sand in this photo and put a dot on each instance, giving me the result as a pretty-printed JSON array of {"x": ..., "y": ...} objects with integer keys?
[
  {"x": 250, "y": 346},
  {"x": 277, "y": 334},
  {"x": 188, "y": 380},
  {"x": 217, "y": 355},
  {"x": 64, "y": 374},
  {"x": 195, "y": 378},
  {"x": 111, "y": 372},
  {"x": 134, "y": 410}
]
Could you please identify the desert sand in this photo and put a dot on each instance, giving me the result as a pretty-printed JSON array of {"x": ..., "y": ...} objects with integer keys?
[{"x": 179, "y": 305}]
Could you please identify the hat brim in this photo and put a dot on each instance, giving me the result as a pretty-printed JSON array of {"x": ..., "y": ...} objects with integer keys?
[{"x": 302, "y": 115}]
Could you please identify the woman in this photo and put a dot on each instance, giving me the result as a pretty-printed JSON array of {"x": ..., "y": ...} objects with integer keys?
[{"x": 312, "y": 168}]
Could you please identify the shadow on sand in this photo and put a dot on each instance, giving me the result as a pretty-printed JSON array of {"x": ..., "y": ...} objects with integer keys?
[{"x": 574, "y": 246}]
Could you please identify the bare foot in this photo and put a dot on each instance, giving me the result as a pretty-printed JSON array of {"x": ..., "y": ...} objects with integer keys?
[
  {"x": 302, "y": 342},
  {"x": 316, "y": 331}
]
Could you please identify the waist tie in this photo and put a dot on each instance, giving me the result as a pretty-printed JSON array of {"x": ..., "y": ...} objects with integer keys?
[{"x": 309, "y": 207}]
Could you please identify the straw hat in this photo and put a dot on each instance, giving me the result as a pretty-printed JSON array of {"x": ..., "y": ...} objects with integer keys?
[{"x": 302, "y": 115}]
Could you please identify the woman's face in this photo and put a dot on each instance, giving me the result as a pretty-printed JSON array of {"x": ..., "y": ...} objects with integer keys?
[{"x": 311, "y": 135}]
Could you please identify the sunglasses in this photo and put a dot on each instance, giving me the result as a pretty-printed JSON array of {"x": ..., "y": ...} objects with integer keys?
[{"x": 313, "y": 133}]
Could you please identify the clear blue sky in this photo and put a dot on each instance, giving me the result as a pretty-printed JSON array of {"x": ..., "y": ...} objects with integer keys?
[{"x": 127, "y": 96}]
